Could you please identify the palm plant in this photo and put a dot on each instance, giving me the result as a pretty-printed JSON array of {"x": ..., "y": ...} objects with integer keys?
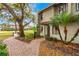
[
  {"x": 65, "y": 20},
  {"x": 55, "y": 23},
  {"x": 62, "y": 19}
]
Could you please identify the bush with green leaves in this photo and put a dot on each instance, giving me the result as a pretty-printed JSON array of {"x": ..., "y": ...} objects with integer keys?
[
  {"x": 34, "y": 29},
  {"x": 3, "y": 50},
  {"x": 29, "y": 35}
]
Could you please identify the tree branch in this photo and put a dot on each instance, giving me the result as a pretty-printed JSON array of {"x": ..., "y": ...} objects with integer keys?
[
  {"x": 10, "y": 10},
  {"x": 27, "y": 23},
  {"x": 22, "y": 10}
]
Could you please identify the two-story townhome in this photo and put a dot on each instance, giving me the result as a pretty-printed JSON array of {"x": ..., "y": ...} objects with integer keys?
[{"x": 44, "y": 17}]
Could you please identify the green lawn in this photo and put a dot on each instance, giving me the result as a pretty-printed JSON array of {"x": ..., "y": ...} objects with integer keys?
[{"x": 5, "y": 34}]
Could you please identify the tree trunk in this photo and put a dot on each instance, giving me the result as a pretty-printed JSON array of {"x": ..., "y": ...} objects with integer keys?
[
  {"x": 21, "y": 29},
  {"x": 15, "y": 27},
  {"x": 59, "y": 33},
  {"x": 65, "y": 32},
  {"x": 76, "y": 34}
]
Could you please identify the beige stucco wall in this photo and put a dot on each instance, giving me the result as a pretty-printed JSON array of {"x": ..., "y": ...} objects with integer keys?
[
  {"x": 72, "y": 28},
  {"x": 42, "y": 32},
  {"x": 74, "y": 9},
  {"x": 47, "y": 14},
  {"x": 69, "y": 7}
]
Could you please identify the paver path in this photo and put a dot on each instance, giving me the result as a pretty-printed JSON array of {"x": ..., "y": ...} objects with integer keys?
[{"x": 20, "y": 48}]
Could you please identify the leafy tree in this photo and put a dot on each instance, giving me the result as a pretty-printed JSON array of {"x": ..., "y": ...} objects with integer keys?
[{"x": 17, "y": 11}]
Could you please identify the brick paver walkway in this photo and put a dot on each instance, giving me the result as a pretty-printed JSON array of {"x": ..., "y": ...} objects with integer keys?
[{"x": 20, "y": 48}]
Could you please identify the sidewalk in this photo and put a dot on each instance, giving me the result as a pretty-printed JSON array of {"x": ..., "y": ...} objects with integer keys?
[{"x": 20, "y": 48}]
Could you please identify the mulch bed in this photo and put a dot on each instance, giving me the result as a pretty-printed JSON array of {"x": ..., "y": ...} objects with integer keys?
[{"x": 58, "y": 48}]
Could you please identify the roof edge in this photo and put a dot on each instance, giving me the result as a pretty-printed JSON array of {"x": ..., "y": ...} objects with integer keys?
[{"x": 47, "y": 7}]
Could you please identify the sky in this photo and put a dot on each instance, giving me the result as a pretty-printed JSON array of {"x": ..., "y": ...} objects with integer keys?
[
  {"x": 37, "y": 8},
  {"x": 40, "y": 6},
  {"x": 2, "y": 21}
]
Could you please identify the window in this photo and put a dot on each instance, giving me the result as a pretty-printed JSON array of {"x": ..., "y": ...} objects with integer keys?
[
  {"x": 41, "y": 17},
  {"x": 41, "y": 29},
  {"x": 54, "y": 30},
  {"x": 62, "y": 8},
  {"x": 77, "y": 6}
]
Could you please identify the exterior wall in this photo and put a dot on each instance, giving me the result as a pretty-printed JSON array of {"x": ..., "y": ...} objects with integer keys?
[
  {"x": 45, "y": 30},
  {"x": 72, "y": 28},
  {"x": 69, "y": 7},
  {"x": 47, "y": 14},
  {"x": 71, "y": 32},
  {"x": 52, "y": 34},
  {"x": 74, "y": 9},
  {"x": 59, "y": 8},
  {"x": 42, "y": 32}
]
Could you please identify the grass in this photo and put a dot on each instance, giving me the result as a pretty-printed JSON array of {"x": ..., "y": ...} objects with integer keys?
[
  {"x": 29, "y": 34},
  {"x": 5, "y": 34},
  {"x": 29, "y": 31}
]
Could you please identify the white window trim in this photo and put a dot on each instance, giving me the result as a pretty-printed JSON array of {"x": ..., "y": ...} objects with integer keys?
[{"x": 77, "y": 6}]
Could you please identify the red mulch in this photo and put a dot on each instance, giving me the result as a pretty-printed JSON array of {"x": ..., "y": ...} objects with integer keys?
[{"x": 57, "y": 48}]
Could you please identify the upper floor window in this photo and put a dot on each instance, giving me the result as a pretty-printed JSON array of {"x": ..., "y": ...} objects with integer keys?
[
  {"x": 41, "y": 17},
  {"x": 77, "y": 6},
  {"x": 62, "y": 8}
]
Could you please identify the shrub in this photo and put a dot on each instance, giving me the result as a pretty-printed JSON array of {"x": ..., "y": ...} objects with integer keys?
[
  {"x": 34, "y": 29},
  {"x": 29, "y": 35},
  {"x": 3, "y": 50}
]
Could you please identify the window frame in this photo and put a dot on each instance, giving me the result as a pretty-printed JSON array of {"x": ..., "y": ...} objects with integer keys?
[
  {"x": 62, "y": 8},
  {"x": 54, "y": 30},
  {"x": 77, "y": 6}
]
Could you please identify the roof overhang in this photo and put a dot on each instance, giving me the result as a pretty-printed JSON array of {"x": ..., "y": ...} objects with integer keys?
[{"x": 45, "y": 22}]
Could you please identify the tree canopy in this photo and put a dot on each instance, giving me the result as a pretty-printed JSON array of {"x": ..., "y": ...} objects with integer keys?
[{"x": 16, "y": 11}]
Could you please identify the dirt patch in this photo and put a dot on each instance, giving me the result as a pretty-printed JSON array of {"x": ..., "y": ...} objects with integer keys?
[{"x": 57, "y": 48}]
